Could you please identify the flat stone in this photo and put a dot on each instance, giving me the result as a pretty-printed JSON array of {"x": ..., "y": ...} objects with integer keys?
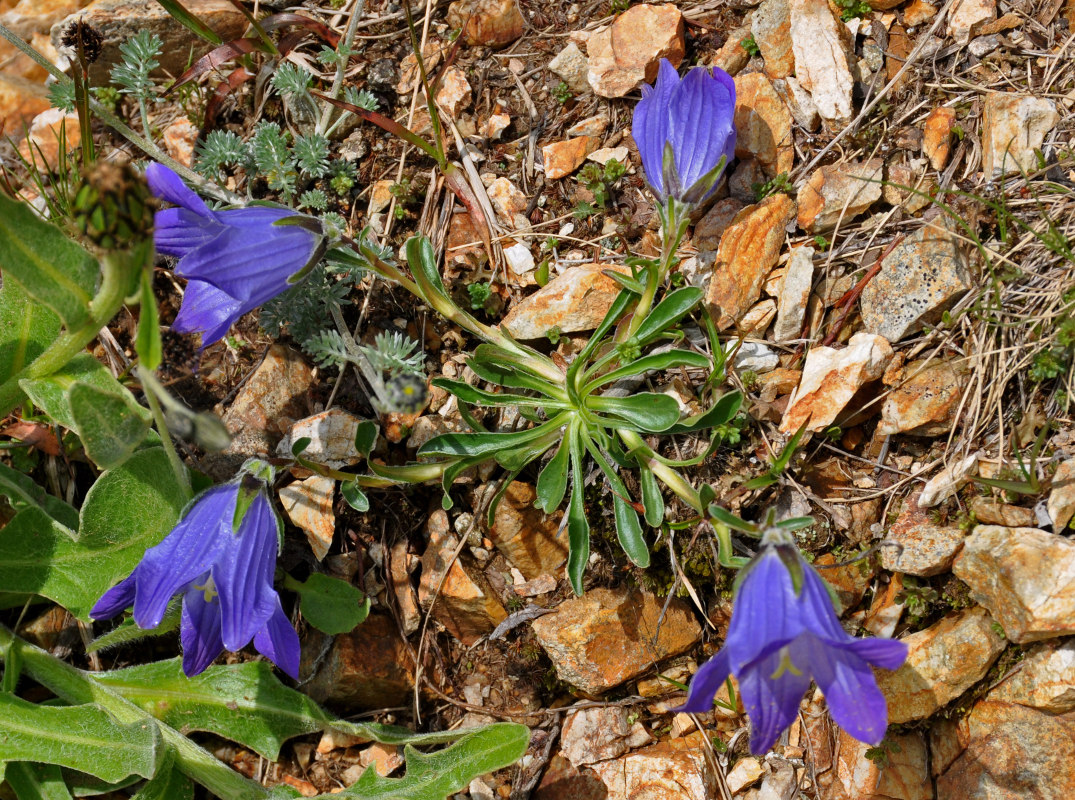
[
  {"x": 926, "y": 401},
  {"x": 48, "y": 129},
  {"x": 948, "y": 481},
  {"x": 464, "y": 604},
  {"x": 673, "y": 770},
  {"x": 848, "y": 581},
  {"x": 755, "y": 321},
  {"x": 1061, "y": 505},
  {"x": 943, "y": 661},
  {"x": 903, "y": 775},
  {"x": 732, "y": 56},
  {"x": 967, "y": 17},
  {"x": 332, "y": 438},
  {"x": 572, "y": 67},
  {"x": 937, "y": 136},
  {"x": 399, "y": 581},
  {"x": 821, "y": 43},
  {"x": 771, "y": 28},
  {"x": 519, "y": 258},
  {"x": 454, "y": 94},
  {"x": 493, "y": 23},
  {"x": 763, "y": 123},
  {"x": 507, "y": 200},
  {"x": 605, "y": 154},
  {"x": 746, "y": 772},
  {"x": 748, "y": 251},
  {"x": 526, "y": 536},
  {"x": 777, "y": 383},
  {"x": 590, "y": 126},
  {"x": 370, "y": 667},
  {"x": 497, "y": 122},
  {"x": 563, "y": 158},
  {"x": 409, "y": 75},
  {"x": 831, "y": 378},
  {"x": 594, "y": 734},
  {"x": 308, "y": 504},
  {"x": 1011, "y": 751},
  {"x": 1024, "y": 576},
  {"x": 838, "y": 193},
  {"x": 609, "y": 636},
  {"x": 993, "y": 512},
  {"x": 119, "y": 20},
  {"x": 794, "y": 294},
  {"x": 1013, "y": 127},
  {"x": 1044, "y": 679},
  {"x": 755, "y": 356},
  {"x": 922, "y": 276},
  {"x": 919, "y": 11},
  {"x": 927, "y": 548},
  {"x": 629, "y": 51},
  {"x": 577, "y": 300},
  {"x": 563, "y": 779},
  {"x": 711, "y": 227},
  {"x": 799, "y": 102}
]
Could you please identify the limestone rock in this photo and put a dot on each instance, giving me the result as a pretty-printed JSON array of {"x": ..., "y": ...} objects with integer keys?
[
  {"x": 926, "y": 401},
  {"x": 820, "y": 42},
  {"x": 590, "y": 735},
  {"x": 1044, "y": 679},
  {"x": 676, "y": 769},
  {"x": 493, "y": 23},
  {"x": 1061, "y": 505},
  {"x": 465, "y": 604},
  {"x": 308, "y": 504},
  {"x": 454, "y": 94},
  {"x": 748, "y": 251},
  {"x": 838, "y": 193},
  {"x": 745, "y": 772},
  {"x": 119, "y": 20},
  {"x": 948, "y": 481},
  {"x": 563, "y": 779},
  {"x": 47, "y": 131},
  {"x": 577, "y": 300},
  {"x": 409, "y": 75},
  {"x": 507, "y": 200},
  {"x": 1024, "y": 576},
  {"x": 967, "y": 17},
  {"x": 711, "y": 227},
  {"x": 1012, "y": 751},
  {"x": 993, "y": 512},
  {"x": 572, "y": 67},
  {"x": 526, "y": 536},
  {"x": 605, "y": 154},
  {"x": 630, "y": 50},
  {"x": 332, "y": 438},
  {"x": 904, "y": 774},
  {"x": 937, "y": 136},
  {"x": 799, "y": 102},
  {"x": 591, "y": 126},
  {"x": 563, "y": 158},
  {"x": 368, "y": 668},
  {"x": 763, "y": 124},
  {"x": 179, "y": 139},
  {"x": 831, "y": 378},
  {"x": 943, "y": 661},
  {"x": 919, "y": 11},
  {"x": 771, "y": 28},
  {"x": 1013, "y": 127},
  {"x": 609, "y": 636},
  {"x": 21, "y": 100},
  {"x": 919, "y": 279},
  {"x": 497, "y": 123},
  {"x": 848, "y": 581},
  {"x": 925, "y": 547},
  {"x": 38, "y": 16},
  {"x": 732, "y": 56}
]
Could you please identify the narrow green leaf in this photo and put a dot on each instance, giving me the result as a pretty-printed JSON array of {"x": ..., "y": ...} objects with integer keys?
[
  {"x": 669, "y": 359},
  {"x": 365, "y": 437},
  {"x": 437, "y": 775},
  {"x": 671, "y": 309},
  {"x": 722, "y": 412},
  {"x": 578, "y": 528},
  {"x": 355, "y": 497},
  {"x": 85, "y": 738},
  {"x": 111, "y": 426},
  {"x": 485, "y": 444},
  {"x": 192, "y": 23},
  {"x": 646, "y": 411},
  {"x": 615, "y": 311},
  {"x": 499, "y": 367},
  {"x": 331, "y": 605},
  {"x": 148, "y": 340},
  {"x": 51, "y": 268},
  {"x": 652, "y": 500},
  {"x": 128, "y": 509},
  {"x": 552, "y": 481},
  {"x": 26, "y": 328},
  {"x": 478, "y": 397},
  {"x": 37, "y": 781},
  {"x": 628, "y": 528},
  {"x": 22, "y": 492}
]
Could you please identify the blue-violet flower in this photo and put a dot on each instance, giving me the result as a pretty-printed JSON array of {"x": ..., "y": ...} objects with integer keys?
[
  {"x": 234, "y": 260},
  {"x": 784, "y": 630},
  {"x": 683, "y": 128},
  {"x": 223, "y": 564}
]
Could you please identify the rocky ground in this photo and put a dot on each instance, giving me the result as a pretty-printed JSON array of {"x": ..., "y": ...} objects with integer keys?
[{"x": 892, "y": 253}]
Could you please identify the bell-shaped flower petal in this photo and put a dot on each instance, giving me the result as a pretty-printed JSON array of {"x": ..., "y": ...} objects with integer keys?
[
  {"x": 279, "y": 643},
  {"x": 242, "y": 253},
  {"x": 243, "y": 576},
  {"x": 695, "y": 116},
  {"x": 199, "y": 628}
]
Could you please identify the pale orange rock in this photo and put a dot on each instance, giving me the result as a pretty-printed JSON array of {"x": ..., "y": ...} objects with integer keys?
[
  {"x": 821, "y": 43},
  {"x": 577, "y": 300},
  {"x": 838, "y": 193},
  {"x": 507, "y": 199},
  {"x": 527, "y": 536},
  {"x": 454, "y": 94},
  {"x": 919, "y": 11},
  {"x": 1045, "y": 679},
  {"x": 1013, "y": 127},
  {"x": 937, "y": 136},
  {"x": 308, "y": 504},
  {"x": 563, "y": 158},
  {"x": 926, "y": 400},
  {"x": 904, "y": 773},
  {"x": 493, "y": 23},
  {"x": 51, "y": 131},
  {"x": 676, "y": 768},
  {"x": 831, "y": 378},
  {"x": 410, "y": 75},
  {"x": 771, "y": 28},
  {"x": 21, "y": 100},
  {"x": 763, "y": 123},
  {"x": 629, "y": 51},
  {"x": 747, "y": 254},
  {"x": 179, "y": 139},
  {"x": 967, "y": 17},
  {"x": 994, "y": 512},
  {"x": 38, "y": 16},
  {"x": 924, "y": 547},
  {"x": 732, "y": 56}
]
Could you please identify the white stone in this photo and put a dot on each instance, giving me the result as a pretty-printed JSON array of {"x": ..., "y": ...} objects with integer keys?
[
  {"x": 948, "y": 481},
  {"x": 519, "y": 258},
  {"x": 819, "y": 41},
  {"x": 1013, "y": 127},
  {"x": 794, "y": 294},
  {"x": 572, "y": 67},
  {"x": 756, "y": 357}
]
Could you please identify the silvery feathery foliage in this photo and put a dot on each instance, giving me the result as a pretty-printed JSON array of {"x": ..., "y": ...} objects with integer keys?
[{"x": 139, "y": 60}]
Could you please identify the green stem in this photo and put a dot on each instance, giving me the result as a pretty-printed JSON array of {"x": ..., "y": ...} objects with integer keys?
[
  {"x": 670, "y": 477},
  {"x": 182, "y": 477},
  {"x": 674, "y": 226},
  {"x": 77, "y": 687},
  {"x": 341, "y": 66},
  {"x": 104, "y": 306}
]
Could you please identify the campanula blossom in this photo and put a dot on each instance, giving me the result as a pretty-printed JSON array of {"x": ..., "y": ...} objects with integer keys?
[
  {"x": 784, "y": 630},
  {"x": 234, "y": 260},
  {"x": 683, "y": 128},
  {"x": 223, "y": 564}
]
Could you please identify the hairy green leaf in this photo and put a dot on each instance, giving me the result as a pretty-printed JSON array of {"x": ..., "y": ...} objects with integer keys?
[
  {"x": 22, "y": 492},
  {"x": 37, "y": 781},
  {"x": 670, "y": 310},
  {"x": 578, "y": 528},
  {"x": 669, "y": 359},
  {"x": 26, "y": 328},
  {"x": 721, "y": 413},
  {"x": 110, "y": 425},
  {"x": 552, "y": 481},
  {"x": 52, "y": 394},
  {"x": 330, "y": 604},
  {"x": 646, "y": 411}
]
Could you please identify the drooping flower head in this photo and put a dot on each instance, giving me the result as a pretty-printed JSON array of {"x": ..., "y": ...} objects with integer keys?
[
  {"x": 683, "y": 128},
  {"x": 784, "y": 631},
  {"x": 234, "y": 260},
  {"x": 221, "y": 557}
]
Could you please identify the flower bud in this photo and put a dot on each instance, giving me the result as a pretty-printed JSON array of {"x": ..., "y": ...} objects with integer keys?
[{"x": 113, "y": 206}]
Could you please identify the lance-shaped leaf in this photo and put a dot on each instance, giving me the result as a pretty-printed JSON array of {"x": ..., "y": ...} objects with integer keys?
[
  {"x": 22, "y": 492},
  {"x": 26, "y": 329},
  {"x": 648, "y": 412}
]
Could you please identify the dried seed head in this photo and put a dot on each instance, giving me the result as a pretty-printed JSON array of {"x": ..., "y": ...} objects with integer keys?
[
  {"x": 113, "y": 206},
  {"x": 80, "y": 36}
]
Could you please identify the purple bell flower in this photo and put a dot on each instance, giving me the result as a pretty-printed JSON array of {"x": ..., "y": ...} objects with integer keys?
[
  {"x": 234, "y": 260},
  {"x": 779, "y": 639},
  {"x": 694, "y": 117},
  {"x": 225, "y": 574}
]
